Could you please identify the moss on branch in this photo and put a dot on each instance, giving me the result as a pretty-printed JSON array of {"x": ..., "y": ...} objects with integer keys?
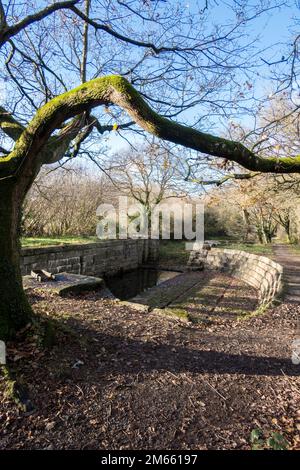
[
  {"x": 9, "y": 125},
  {"x": 117, "y": 90}
]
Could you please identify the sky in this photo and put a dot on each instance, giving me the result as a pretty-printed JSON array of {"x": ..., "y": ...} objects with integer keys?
[
  {"x": 272, "y": 28},
  {"x": 274, "y": 31}
]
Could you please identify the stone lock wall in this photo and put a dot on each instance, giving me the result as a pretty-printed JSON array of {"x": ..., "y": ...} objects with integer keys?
[
  {"x": 92, "y": 259},
  {"x": 259, "y": 272}
]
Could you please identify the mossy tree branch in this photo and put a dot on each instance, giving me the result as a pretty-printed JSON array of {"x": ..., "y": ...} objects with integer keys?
[
  {"x": 223, "y": 179},
  {"x": 9, "y": 125},
  {"x": 117, "y": 90},
  {"x": 58, "y": 145},
  {"x": 53, "y": 151},
  {"x": 37, "y": 145}
]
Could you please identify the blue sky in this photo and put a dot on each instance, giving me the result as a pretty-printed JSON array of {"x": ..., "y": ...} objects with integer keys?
[{"x": 274, "y": 30}]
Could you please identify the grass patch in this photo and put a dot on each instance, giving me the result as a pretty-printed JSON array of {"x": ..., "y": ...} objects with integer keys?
[
  {"x": 27, "y": 242},
  {"x": 294, "y": 249},
  {"x": 249, "y": 247},
  {"x": 261, "y": 310},
  {"x": 175, "y": 312},
  {"x": 222, "y": 238},
  {"x": 173, "y": 252}
]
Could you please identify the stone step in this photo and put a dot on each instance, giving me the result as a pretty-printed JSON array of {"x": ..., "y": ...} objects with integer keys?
[{"x": 65, "y": 283}]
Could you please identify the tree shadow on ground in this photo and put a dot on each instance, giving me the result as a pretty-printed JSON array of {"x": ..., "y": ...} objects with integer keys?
[{"x": 127, "y": 355}]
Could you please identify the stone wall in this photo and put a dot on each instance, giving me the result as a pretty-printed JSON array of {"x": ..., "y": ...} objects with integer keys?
[
  {"x": 92, "y": 259},
  {"x": 259, "y": 272}
]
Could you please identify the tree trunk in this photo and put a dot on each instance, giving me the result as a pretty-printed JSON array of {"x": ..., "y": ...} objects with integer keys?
[
  {"x": 287, "y": 228},
  {"x": 15, "y": 311},
  {"x": 260, "y": 236},
  {"x": 247, "y": 224}
]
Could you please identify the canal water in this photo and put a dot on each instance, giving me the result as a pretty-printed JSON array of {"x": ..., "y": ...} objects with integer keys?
[{"x": 131, "y": 283}]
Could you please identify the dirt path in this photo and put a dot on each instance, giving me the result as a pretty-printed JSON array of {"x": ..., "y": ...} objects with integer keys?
[
  {"x": 291, "y": 267},
  {"x": 116, "y": 378}
]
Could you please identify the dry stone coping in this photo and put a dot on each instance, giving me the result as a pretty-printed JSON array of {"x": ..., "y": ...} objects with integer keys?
[{"x": 65, "y": 283}]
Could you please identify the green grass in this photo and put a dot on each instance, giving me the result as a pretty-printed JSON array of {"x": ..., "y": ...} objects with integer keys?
[
  {"x": 234, "y": 244},
  {"x": 176, "y": 312},
  {"x": 53, "y": 241},
  {"x": 249, "y": 247},
  {"x": 173, "y": 252},
  {"x": 224, "y": 238},
  {"x": 295, "y": 249}
]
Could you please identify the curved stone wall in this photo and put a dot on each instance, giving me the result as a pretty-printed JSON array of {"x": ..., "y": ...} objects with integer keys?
[{"x": 259, "y": 272}]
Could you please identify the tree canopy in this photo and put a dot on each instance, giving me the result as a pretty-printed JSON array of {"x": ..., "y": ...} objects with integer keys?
[{"x": 73, "y": 70}]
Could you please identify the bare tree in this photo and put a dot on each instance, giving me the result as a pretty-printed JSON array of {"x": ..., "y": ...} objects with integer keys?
[
  {"x": 7, "y": 31},
  {"x": 148, "y": 175},
  {"x": 180, "y": 66},
  {"x": 64, "y": 202}
]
